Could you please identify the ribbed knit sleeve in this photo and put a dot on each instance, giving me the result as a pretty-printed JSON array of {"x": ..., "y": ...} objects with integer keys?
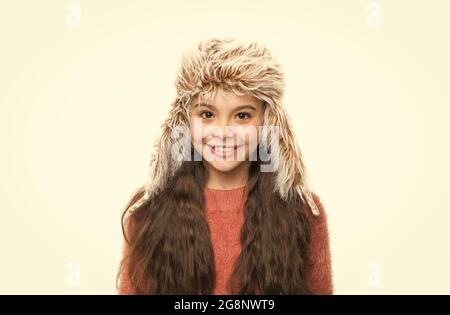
[{"x": 320, "y": 275}]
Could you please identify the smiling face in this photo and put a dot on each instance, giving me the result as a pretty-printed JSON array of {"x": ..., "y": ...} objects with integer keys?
[{"x": 225, "y": 130}]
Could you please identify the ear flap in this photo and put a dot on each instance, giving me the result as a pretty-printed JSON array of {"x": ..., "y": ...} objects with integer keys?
[
  {"x": 163, "y": 164},
  {"x": 139, "y": 202},
  {"x": 288, "y": 165},
  {"x": 307, "y": 196}
]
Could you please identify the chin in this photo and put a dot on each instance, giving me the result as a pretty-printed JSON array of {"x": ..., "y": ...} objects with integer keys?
[{"x": 224, "y": 166}]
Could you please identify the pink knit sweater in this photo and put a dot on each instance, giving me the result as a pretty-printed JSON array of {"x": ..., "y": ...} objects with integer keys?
[{"x": 224, "y": 214}]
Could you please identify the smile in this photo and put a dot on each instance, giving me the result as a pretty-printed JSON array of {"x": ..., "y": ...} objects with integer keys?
[{"x": 223, "y": 151}]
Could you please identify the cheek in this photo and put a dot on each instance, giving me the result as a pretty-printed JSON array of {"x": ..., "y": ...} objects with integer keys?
[
  {"x": 251, "y": 136},
  {"x": 196, "y": 130}
]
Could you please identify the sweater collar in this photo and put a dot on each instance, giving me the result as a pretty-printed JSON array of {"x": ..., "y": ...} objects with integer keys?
[{"x": 224, "y": 199}]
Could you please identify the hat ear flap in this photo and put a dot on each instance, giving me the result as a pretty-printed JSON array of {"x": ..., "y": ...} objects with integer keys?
[
  {"x": 139, "y": 202},
  {"x": 307, "y": 197},
  {"x": 164, "y": 161},
  {"x": 290, "y": 179}
]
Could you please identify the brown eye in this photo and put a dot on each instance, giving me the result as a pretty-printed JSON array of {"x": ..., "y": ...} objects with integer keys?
[
  {"x": 242, "y": 116},
  {"x": 208, "y": 113}
]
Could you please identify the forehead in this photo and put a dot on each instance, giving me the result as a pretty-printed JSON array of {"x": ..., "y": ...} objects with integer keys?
[{"x": 226, "y": 100}]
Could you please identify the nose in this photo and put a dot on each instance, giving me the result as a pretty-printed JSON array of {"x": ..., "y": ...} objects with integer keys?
[{"x": 224, "y": 133}]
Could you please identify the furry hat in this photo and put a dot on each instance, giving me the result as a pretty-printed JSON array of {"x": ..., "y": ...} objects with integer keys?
[{"x": 243, "y": 68}]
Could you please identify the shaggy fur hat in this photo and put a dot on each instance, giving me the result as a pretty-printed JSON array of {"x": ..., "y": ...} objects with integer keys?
[{"x": 243, "y": 68}]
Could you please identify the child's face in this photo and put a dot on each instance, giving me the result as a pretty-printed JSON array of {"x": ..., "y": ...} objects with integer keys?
[{"x": 226, "y": 132}]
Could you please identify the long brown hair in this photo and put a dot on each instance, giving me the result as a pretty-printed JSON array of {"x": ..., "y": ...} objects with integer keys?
[{"x": 170, "y": 249}]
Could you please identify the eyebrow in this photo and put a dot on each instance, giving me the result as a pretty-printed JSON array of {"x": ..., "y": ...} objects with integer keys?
[{"x": 246, "y": 106}]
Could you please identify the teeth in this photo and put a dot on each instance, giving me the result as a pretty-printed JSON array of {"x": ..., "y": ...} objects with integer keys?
[{"x": 222, "y": 150}]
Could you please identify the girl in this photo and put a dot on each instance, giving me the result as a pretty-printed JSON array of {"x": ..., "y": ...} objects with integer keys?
[{"x": 226, "y": 208}]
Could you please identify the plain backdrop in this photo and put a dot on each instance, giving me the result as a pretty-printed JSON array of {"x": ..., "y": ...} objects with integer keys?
[{"x": 85, "y": 86}]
